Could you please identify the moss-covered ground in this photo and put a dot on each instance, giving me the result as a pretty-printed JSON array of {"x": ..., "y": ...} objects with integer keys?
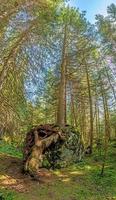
[{"x": 77, "y": 182}]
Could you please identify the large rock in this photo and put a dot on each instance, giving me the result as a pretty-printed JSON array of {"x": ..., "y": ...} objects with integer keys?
[{"x": 65, "y": 153}]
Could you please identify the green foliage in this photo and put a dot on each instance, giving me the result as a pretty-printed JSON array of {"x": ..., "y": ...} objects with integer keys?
[
  {"x": 10, "y": 149},
  {"x": 32, "y": 57},
  {"x": 6, "y": 195},
  {"x": 31, "y": 45},
  {"x": 112, "y": 11},
  {"x": 107, "y": 30}
]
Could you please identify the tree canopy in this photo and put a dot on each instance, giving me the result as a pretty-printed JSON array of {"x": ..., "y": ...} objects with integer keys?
[{"x": 56, "y": 67}]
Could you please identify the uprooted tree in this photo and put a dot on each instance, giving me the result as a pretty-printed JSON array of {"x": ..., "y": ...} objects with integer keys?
[{"x": 52, "y": 147}]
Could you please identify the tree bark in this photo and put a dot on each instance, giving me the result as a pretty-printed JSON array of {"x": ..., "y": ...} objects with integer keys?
[
  {"x": 73, "y": 107},
  {"x": 91, "y": 108},
  {"x": 61, "y": 115},
  {"x": 34, "y": 161}
]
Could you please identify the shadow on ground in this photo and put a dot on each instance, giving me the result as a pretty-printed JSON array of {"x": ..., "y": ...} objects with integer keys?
[
  {"x": 11, "y": 175},
  {"x": 78, "y": 182}
]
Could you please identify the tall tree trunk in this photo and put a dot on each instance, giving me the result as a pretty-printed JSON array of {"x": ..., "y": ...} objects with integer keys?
[
  {"x": 106, "y": 122},
  {"x": 107, "y": 130},
  {"x": 109, "y": 80},
  {"x": 96, "y": 120},
  {"x": 61, "y": 116},
  {"x": 91, "y": 109},
  {"x": 97, "y": 115},
  {"x": 73, "y": 106},
  {"x": 106, "y": 110},
  {"x": 105, "y": 106}
]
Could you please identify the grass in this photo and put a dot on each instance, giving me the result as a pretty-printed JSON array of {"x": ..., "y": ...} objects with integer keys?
[
  {"x": 10, "y": 150},
  {"x": 78, "y": 182},
  {"x": 6, "y": 195}
]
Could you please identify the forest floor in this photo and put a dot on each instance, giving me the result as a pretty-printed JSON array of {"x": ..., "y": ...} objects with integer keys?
[{"x": 77, "y": 182}]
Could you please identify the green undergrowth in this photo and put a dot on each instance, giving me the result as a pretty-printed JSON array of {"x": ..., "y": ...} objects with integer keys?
[
  {"x": 77, "y": 182},
  {"x": 6, "y": 194},
  {"x": 10, "y": 149}
]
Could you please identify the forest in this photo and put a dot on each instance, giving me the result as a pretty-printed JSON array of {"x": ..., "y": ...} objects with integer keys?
[{"x": 57, "y": 102}]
